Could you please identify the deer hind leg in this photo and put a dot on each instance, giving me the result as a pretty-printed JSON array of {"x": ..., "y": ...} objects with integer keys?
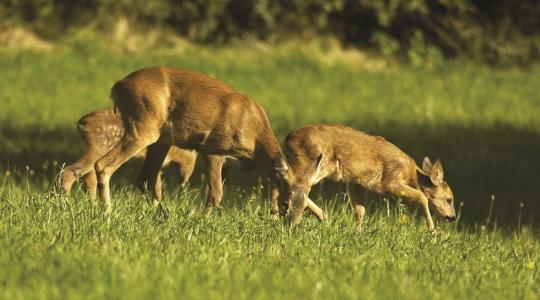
[
  {"x": 150, "y": 175},
  {"x": 81, "y": 167},
  {"x": 214, "y": 164},
  {"x": 358, "y": 197},
  {"x": 405, "y": 191}
]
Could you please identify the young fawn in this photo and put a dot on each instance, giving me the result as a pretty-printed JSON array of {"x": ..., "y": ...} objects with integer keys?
[
  {"x": 101, "y": 130},
  {"x": 365, "y": 163},
  {"x": 163, "y": 106}
]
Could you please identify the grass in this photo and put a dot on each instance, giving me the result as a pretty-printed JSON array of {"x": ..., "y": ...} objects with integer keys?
[
  {"x": 53, "y": 247},
  {"x": 482, "y": 123}
]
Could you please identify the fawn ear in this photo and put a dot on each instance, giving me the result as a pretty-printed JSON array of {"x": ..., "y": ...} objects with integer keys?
[
  {"x": 437, "y": 173},
  {"x": 427, "y": 165},
  {"x": 281, "y": 166},
  {"x": 313, "y": 171}
]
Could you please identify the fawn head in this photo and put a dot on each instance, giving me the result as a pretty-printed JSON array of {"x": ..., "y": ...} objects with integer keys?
[
  {"x": 437, "y": 191},
  {"x": 295, "y": 188}
]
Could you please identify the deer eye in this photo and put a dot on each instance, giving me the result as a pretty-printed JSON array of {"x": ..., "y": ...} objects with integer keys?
[{"x": 449, "y": 200}]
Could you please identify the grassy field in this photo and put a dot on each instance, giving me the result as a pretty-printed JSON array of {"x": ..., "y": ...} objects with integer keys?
[{"x": 482, "y": 123}]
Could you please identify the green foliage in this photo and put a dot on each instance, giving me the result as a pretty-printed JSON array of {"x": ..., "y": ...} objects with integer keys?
[
  {"x": 422, "y": 54},
  {"x": 499, "y": 32},
  {"x": 387, "y": 45}
]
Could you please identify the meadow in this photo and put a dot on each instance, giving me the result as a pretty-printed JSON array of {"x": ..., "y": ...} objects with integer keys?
[{"x": 481, "y": 122}]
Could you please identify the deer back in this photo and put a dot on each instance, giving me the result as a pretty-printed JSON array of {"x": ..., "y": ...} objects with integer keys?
[
  {"x": 348, "y": 155},
  {"x": 101, "y": 129},
  {"x": 195, "y": 111}
]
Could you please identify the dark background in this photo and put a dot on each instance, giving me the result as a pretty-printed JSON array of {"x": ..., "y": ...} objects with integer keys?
[{"x": 492, "y": 31}]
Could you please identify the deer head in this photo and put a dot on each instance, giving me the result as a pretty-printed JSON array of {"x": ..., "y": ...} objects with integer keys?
[
  {"x": 295, "y": 189},
  {"x": 437, "y": 191}
]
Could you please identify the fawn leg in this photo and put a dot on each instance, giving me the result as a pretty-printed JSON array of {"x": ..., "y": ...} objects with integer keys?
[
  {"x": 90, "y": 181},
  {"x": 274, "y": 210},
  {"x": 186, "y": 168},
  {"x": 81, "y": 167},
  {"x": 315, "y": 209},
  {"x": 274, "y": 196},
  {"x": 68, "y": 178},
  {"x": 405, "y": 191},
  {"x": 358, "y": 195},
  {"x": 214, "y": 164},
  {"x": 298, "y": 206}
]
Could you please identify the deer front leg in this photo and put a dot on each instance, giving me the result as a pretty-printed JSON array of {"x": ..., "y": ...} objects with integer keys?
[
  {"x": 214, "y": 164},
  {"x": 358, "y": 197},
  {"x": 316, "y": 210},
  {"x": 109, "y": 163},
  {"x": 90, "y": 180},
  {"x": 274, "y": 196},
  {"x": 299, "y": 205},
  {"x": 68, "y": 178},
  {"x": 405, "y": 191},
  {"x": 186, "y": 170},
  {"x": 81, "y": 167},
  {"x": 274, "y": 210},
  {"x": 150, "y": 175},
  {"x": 184, "y": 161}
]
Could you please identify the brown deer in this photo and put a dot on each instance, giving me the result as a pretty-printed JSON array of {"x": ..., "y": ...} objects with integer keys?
[
  {"x": 163, "y": 106},
  {"x": 365, "y": 163},
  {"x": 102, "y": 129}
]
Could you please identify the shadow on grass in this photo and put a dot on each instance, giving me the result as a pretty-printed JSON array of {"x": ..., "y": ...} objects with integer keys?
[{"x": 478, "y": 161}]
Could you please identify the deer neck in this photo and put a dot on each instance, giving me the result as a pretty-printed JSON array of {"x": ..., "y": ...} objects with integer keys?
[{"x": 266, "y": 151}]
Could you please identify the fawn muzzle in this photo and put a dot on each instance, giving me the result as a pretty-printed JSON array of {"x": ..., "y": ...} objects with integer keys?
[{"x": 450, "y": 218}]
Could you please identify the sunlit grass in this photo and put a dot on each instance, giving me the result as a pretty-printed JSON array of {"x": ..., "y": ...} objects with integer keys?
[{"x": 57, "y": 247}]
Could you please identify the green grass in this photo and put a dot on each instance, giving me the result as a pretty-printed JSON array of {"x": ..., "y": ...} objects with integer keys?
[
  {"x": 483, "y": 124},
  {"x": 57, "y": 247}
]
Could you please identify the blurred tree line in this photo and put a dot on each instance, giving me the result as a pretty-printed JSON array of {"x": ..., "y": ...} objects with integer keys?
[{"x": 494, "y": 31}]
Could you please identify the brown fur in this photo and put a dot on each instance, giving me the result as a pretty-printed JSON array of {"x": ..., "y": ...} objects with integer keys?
[
  {"x": 164, "y": 106},
  {"x": 102, "y": 129},
  {"x": 365, "y": 162}
]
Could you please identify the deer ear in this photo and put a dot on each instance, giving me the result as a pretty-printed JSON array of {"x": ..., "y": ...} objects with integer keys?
[
  {"x": 427, "y": 165},
  {"x": 437, "y": 173},
  {"x": 313, "y": 171},
  {"x": 281, "y": 166}
]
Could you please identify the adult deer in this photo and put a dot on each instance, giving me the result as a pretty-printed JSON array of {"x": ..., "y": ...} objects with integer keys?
[
  {"x": 163, "y": 106},
  {"x": 364, "y": 162},
  {"x": 100, "y": 130}
]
